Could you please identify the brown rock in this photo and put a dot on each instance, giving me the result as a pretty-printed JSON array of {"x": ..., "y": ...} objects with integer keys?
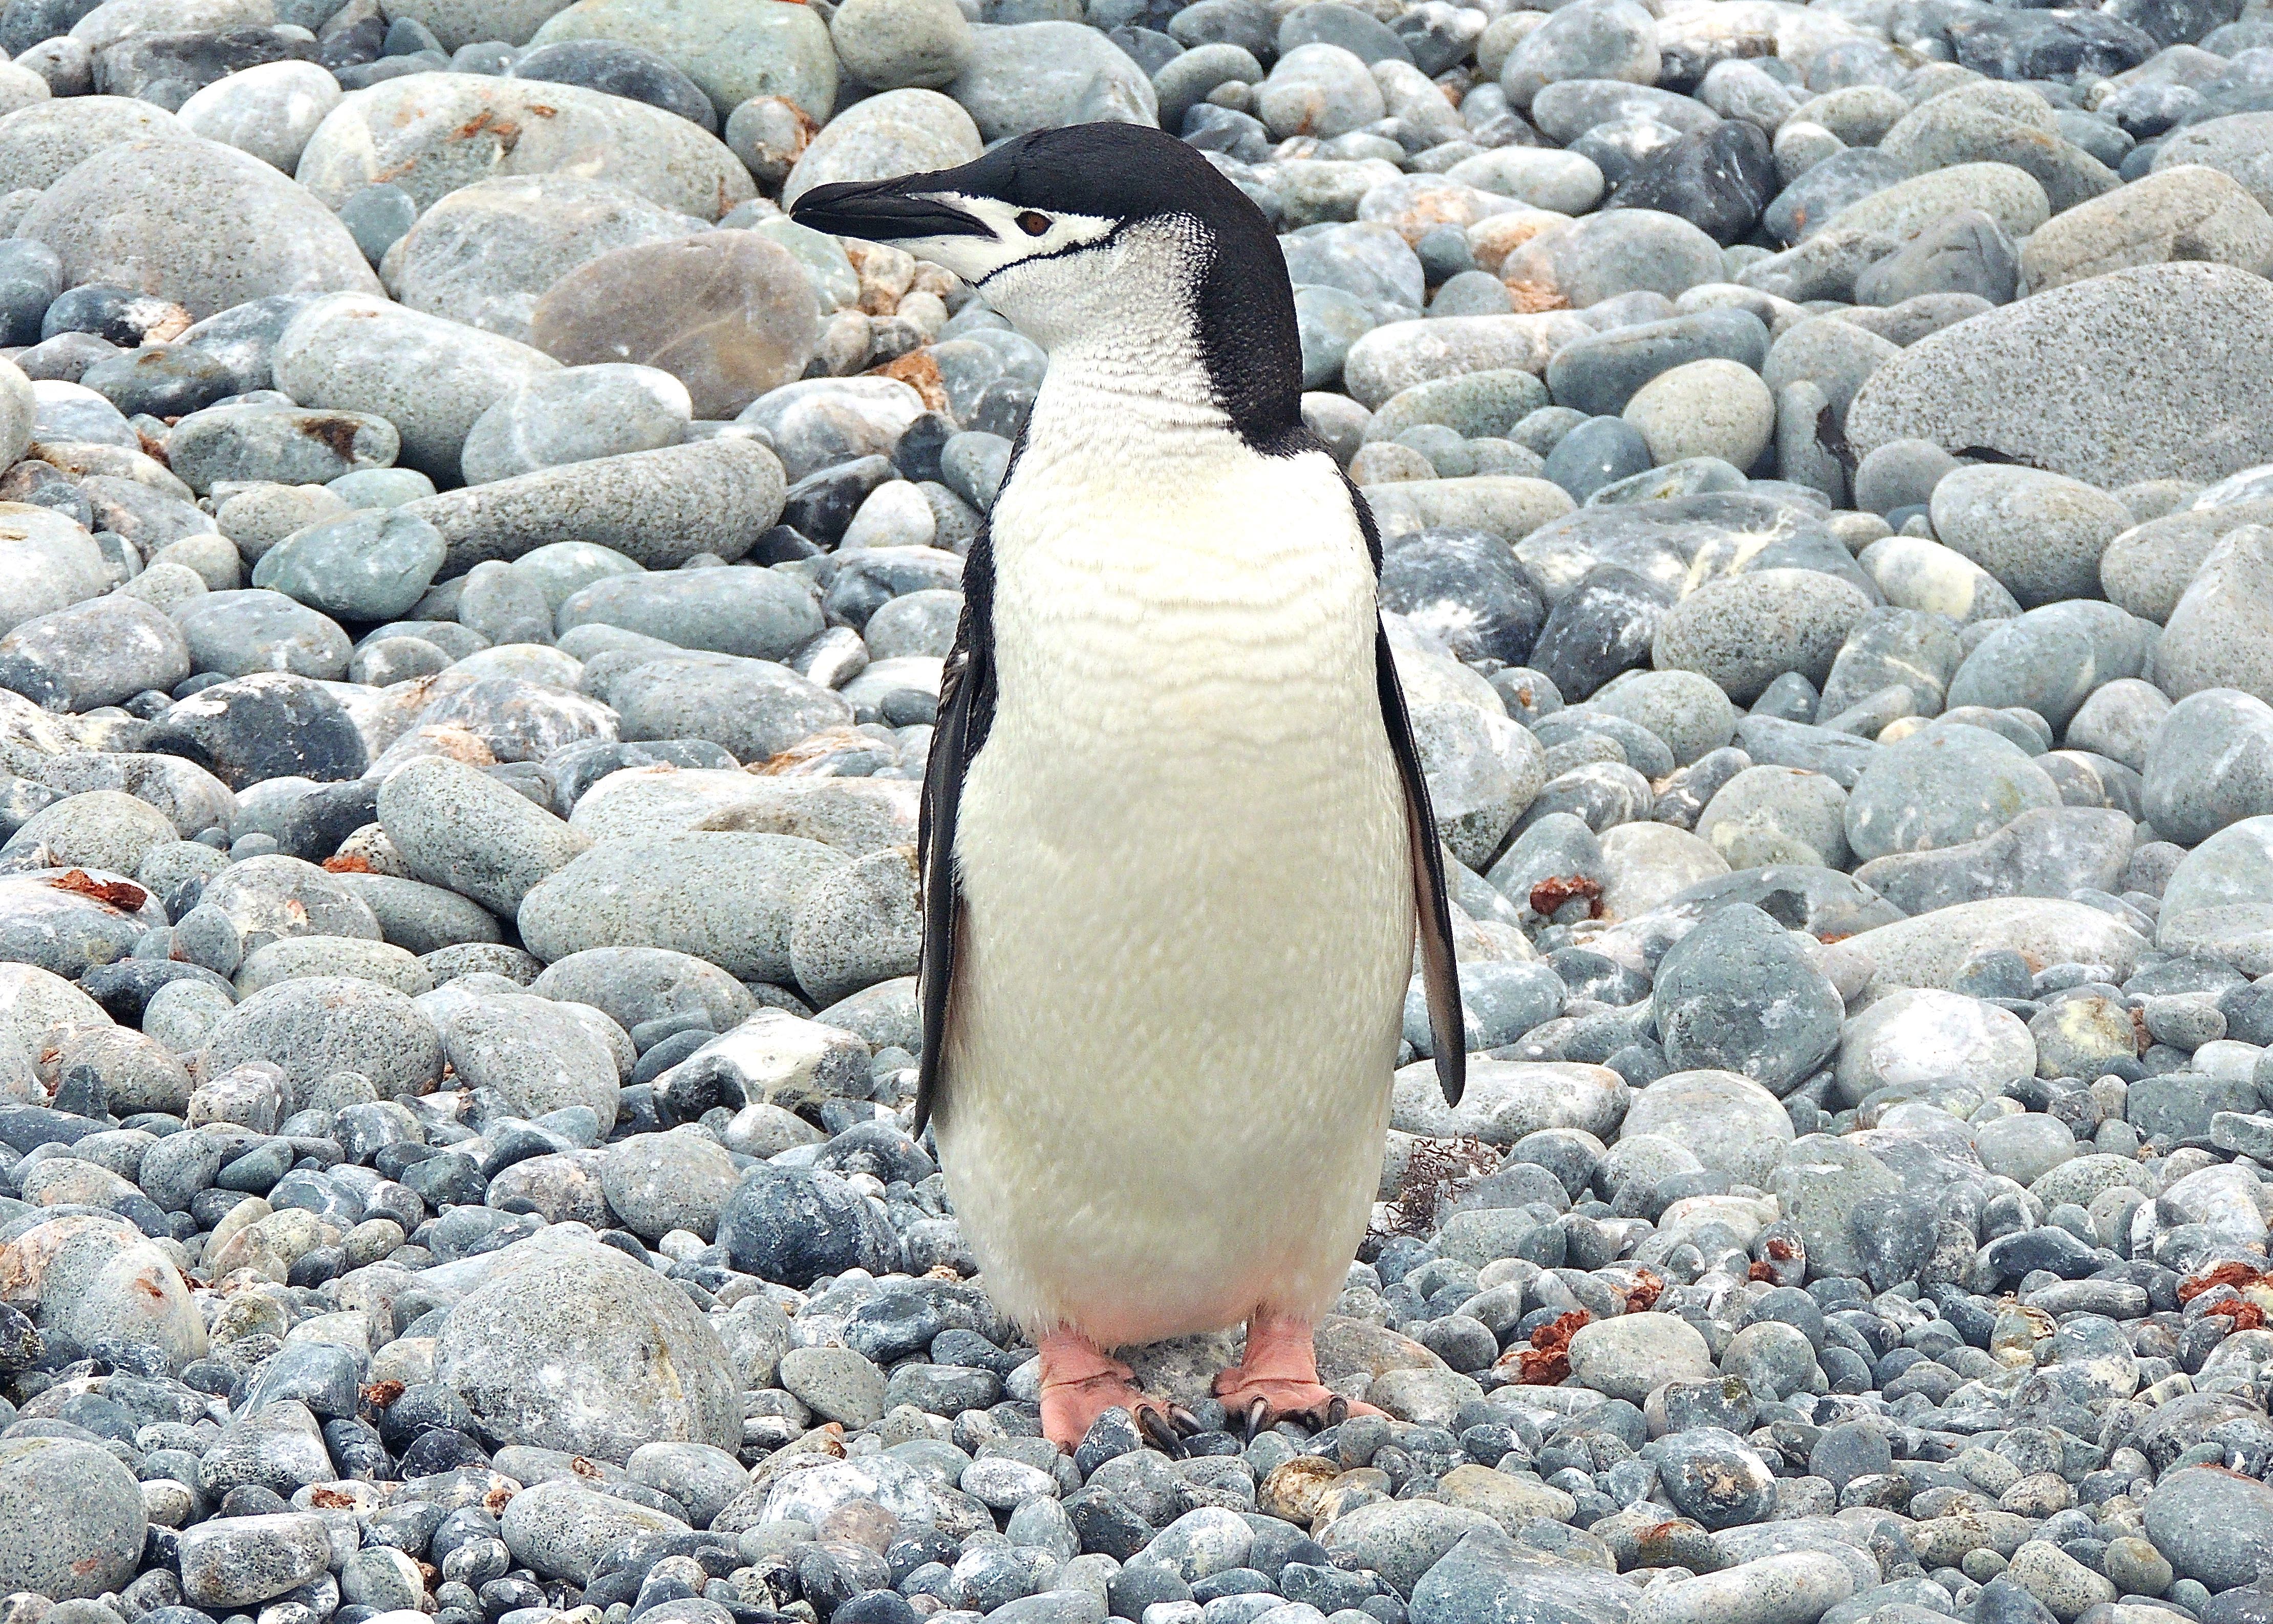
[
  {"x": 1294, "y": 1488},
  {"x": 920, "y": 371},
  {"x": 487, "y": 252},
  {"x": 730, "y": 314},
  {"x": 1510, "y": 1501}
]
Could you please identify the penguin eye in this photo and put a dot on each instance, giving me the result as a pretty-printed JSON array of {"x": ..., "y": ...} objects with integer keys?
[{"x": 1033, "y": 224}]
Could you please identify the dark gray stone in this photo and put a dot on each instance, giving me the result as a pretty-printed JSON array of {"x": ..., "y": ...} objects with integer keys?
[{"x": 1738, "y": 994}]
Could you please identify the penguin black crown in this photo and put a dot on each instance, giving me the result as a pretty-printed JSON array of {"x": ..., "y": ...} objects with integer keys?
[{"x": 1175, "y": 840}]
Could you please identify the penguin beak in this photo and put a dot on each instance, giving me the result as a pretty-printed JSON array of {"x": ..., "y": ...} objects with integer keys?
[{"x": 886, "y": 211}]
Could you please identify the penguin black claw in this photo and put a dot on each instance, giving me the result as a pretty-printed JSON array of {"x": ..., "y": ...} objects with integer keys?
[
  {"x": 1258, "y": 1417},
  {"x": 1161, "y": 1433}
]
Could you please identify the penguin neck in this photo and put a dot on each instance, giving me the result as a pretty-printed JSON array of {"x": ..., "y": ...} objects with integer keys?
[
  {"x": 1133, "y": 371},
  {"x": 1140, "y": 392}
]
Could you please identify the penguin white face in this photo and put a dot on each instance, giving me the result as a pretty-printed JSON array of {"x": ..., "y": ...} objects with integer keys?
[
  {"x": 1038, "y": 240},
  {"x": 1013, "y": 236},
  {"x": 1086, "y": 235}
]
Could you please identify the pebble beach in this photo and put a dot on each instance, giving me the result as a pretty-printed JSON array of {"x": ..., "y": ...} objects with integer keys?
[{"x": 474, "y": 577}]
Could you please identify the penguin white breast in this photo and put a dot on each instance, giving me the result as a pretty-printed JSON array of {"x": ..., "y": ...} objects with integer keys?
[{"x": 1189, "y": 908}]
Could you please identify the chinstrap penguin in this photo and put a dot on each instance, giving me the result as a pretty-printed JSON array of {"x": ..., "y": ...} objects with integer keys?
[{"x": 1175, "y": 837}]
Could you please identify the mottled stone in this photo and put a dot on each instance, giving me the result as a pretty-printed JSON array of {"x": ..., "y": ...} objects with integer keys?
[
  {"x": 428, "y": 377},
  {"x": 733, "y": 51},
  {"x": 1940, "y": 787},
  {"x": 1930, "y": 951},
  {"x": 2181, "y": 212},
  {"x": 2221, "y": 634},
  {"x": 73, "y": 1522},
  {"x": 1922, "y": 1035},
  {"x": 268, "y": 110},
  {"x": 1604, "y": 255},
  {"x": 2041, "y": 535},
  {"x": 1744, "y": 631},
  {"x": 2044, "y": 851},
  {"x": 1739, "y": 994},
  {"x": 1729, "y": 1121},
  {"x": 2218, "y": 902},
  {"x": 562, "y": 1346},
  {"x": 875, "y": 139},
  {"x": 2210, "y": 762},
  {"x": 658, "y": 508},
  {"x": 120, "y": 217},
  {"x": 1628, "y": 1357},
  {"x": 2214, "y": 1525},
  {"x": 485, "y": 253},
  {"x": 45, "y": 141},
  {"x": 432, "y": 133},
  {"x": 2101, "y": 380},
  {"x": 728, "y": 897}
]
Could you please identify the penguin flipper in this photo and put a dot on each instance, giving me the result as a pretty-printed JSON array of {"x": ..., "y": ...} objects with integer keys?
[
  {"x": 1440, "y": 976},
  {"x": 966, "y": 708}
]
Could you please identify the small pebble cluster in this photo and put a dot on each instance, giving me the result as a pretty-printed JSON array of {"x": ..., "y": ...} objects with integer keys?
[{"x": 474, "y": 578}]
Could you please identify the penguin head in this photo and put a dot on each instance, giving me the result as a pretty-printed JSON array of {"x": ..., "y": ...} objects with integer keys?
[{"x": 1079, "y": 233}]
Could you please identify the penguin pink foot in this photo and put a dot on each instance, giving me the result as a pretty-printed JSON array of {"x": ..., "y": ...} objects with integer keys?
[
  {"x": 1276, "y": 1380},
  {"x": 1080, "y": 1383}
]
